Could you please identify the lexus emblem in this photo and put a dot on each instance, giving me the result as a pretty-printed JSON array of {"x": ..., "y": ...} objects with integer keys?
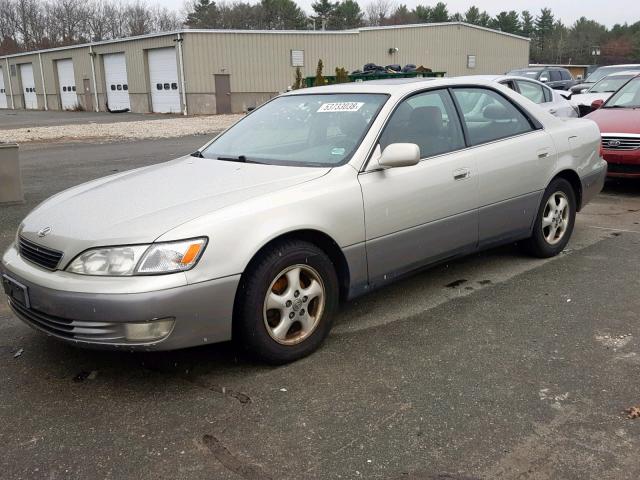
[
  {"x": 614, "y": 143},
  {"x": 43, "y": 232}
]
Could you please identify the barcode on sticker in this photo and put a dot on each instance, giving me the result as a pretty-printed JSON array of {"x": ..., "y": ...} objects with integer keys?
[{"x": 341, "y": 107}]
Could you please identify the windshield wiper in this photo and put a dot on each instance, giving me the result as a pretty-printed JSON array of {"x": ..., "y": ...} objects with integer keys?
[{"x": 238, "y": 158}]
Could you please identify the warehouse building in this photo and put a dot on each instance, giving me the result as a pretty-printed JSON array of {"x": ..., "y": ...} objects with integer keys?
[{"x": 223, "y": 71}]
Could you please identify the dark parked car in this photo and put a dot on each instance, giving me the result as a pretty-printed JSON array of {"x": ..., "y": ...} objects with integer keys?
[
  {"x": 599, "y": 73},
  {"x": 556, "y": 77}
]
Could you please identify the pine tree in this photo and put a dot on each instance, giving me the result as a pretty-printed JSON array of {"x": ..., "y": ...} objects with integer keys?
[
  {"x": 526, "y": 26},
  {"x": 342, "y": 76},
  {"x": 319, "y": 80}
]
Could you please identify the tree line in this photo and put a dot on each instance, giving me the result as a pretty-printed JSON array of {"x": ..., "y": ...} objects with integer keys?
[{"x": 35, "y": 24}]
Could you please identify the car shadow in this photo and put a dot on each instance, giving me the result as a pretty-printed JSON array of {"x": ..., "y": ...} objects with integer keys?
[{"x": 622, "y": 186}]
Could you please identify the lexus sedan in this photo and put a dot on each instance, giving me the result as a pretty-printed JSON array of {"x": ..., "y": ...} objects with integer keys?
[
  {"x": 318, "y": 196},
  {"x": 619, "y": 122}
]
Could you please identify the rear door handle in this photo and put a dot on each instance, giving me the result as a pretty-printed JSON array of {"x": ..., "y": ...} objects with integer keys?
[
  {"x": 461, "y": 173},
  {"x": 543, "y": 153}
]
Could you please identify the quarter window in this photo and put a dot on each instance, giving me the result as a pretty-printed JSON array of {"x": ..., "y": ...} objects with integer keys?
[
  {"x": 532, "y": 91},
  {"x": 427, "y": 119},
  {"x": 488, "y": 116}
]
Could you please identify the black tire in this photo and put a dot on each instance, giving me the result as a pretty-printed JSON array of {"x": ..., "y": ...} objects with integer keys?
[
  {"x": 249, "y": 321},
  {"x": 537, "y": 245}
]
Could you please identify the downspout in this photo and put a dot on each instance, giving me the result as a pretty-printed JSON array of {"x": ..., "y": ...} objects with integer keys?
[
  {"x": 182, "y": 82},
  {"x": 93, "y": 75},
  {"x": 44, "y": 88},
  {"x": 13, "y": 102}
]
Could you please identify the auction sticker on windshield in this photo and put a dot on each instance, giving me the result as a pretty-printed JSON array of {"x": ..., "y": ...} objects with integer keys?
[{"x": 341, "y": 107}]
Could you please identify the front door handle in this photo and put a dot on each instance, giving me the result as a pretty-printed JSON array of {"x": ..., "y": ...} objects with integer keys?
[{"x": 461, "y": 173}]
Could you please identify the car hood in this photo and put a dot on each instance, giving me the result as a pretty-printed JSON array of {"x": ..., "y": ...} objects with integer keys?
[
  {"x": 140, "y": 205},
  {"x": 617, "y": 120},
  {"x": 588, "y": 98}
]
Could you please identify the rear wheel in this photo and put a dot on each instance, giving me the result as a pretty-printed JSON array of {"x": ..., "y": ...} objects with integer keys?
[
  {"x": 286, "y": 302},
  {"x": 555, "y": 220}
]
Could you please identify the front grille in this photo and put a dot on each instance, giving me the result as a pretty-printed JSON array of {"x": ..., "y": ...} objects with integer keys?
[
  {"x": 72, "y": 329},
  {"x": 42, "y": 256},
  {"x": 620, "y": 143},
  {"x": 623, "y": 168}
]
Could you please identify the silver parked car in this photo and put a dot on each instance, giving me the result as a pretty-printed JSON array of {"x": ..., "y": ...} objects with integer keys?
[
  {"x": 318, "y": 196},
  {"x": 553, "y": 101}
]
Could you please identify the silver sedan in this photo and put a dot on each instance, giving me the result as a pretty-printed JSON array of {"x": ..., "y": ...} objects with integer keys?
[{"x": 316, "y": 197}]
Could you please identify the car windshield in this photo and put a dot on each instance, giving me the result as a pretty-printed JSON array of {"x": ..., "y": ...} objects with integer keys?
[
  {"x": 320, "y": 130},
  {"x": 602, "y": 72},
  {"x": 525, "y": 73},
  {"x": 609, "y": 84},
  {"x": 627, "y": 97}
]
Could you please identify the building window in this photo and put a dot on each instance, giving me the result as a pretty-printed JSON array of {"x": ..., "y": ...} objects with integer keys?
[
  {"x": 297, "y": 58},
  {"x": 471, "y": 61}
]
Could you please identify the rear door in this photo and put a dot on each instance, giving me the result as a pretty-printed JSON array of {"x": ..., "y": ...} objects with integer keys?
[
  {"x": 67, "y": 84},
  {"x": 513, "y": 157},
  {"x": 163, "y": 76},
  {"x": 28, "y": 86},
  {"x": 427, "y": 212}
]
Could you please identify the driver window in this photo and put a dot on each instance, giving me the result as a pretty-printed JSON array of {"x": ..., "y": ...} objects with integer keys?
[{"x": 427, "y": 119}]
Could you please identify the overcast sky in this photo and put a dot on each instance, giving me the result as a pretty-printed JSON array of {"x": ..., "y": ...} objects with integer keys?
[{"x": 607, "y": 12}]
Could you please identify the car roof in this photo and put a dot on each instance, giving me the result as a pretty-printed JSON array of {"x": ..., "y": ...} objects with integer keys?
[
  {"x": 630, "y": 65},
  {"x": 632, "y": 73},
  {"x": 393, "y": 86}
]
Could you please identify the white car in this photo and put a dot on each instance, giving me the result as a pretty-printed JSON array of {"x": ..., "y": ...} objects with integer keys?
[
  {"x": 601, "y": 90},
  {"x": 553, "y": 101}
]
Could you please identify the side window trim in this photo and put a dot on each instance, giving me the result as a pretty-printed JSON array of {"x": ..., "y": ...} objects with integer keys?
[{"x": 533, "y": 123}]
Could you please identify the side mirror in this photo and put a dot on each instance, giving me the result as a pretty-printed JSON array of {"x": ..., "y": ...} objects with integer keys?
[
  {"x": 544, "y": 79},
  {"x": 584, "y": 90},
  {"x": 400, "y": 155},
  {"x": 596, "y": 104},
  {"x": 566, "y": 94}
]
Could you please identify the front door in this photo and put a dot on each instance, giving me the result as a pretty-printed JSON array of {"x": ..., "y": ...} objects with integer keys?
[
  {"x": 427, "y": 212},
  {"x": 223, "y": 93}
]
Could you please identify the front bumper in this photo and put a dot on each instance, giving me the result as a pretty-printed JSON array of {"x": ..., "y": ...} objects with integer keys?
[
  {"x": 202, "y": 313},
  {"x": 623, "y": 164}
]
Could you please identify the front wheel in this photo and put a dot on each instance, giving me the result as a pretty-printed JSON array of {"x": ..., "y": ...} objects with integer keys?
[
  {"x": 286, "y": 301},
  {"x": 555, "y": 220}
]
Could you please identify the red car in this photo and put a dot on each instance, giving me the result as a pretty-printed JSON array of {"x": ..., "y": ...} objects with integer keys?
[{"x": 619, "y": 122}]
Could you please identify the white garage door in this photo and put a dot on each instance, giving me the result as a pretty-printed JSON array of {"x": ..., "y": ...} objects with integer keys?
[
  {"x": 67, "y": 84},
  {"x": 115, "y": 74},
  {"x": 28, "y": 86},
  {"x": 3, "y": 93},
  {"x": 163, "y": 73}
]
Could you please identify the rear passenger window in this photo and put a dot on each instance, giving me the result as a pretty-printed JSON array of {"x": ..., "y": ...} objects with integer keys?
[
  {"x": 533, "y": 91},
  {"x": 488, "y": 116},
  {"x": 565, "y": 75},
  {"x": 555, "y": 75},
  {"x": 427, "y": 119}
]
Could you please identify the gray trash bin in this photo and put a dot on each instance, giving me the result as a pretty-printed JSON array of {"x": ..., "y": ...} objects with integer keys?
[{"x": 10, "y": 178}]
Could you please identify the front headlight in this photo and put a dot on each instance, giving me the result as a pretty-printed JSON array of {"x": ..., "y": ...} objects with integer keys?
[{"x": 130, "y": 260}]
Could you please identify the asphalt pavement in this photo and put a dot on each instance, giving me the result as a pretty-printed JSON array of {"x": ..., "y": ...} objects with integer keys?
[
  {"x": 497, "y": 366},
  {"x": 37, "y": 118}
]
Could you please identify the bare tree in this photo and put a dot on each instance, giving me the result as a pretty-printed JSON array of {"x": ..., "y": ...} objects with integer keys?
[{"x": 378, "y": 11}]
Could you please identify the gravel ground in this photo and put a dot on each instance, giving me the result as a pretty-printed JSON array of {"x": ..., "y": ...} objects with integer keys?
[{"x": 169, "y": 128}]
